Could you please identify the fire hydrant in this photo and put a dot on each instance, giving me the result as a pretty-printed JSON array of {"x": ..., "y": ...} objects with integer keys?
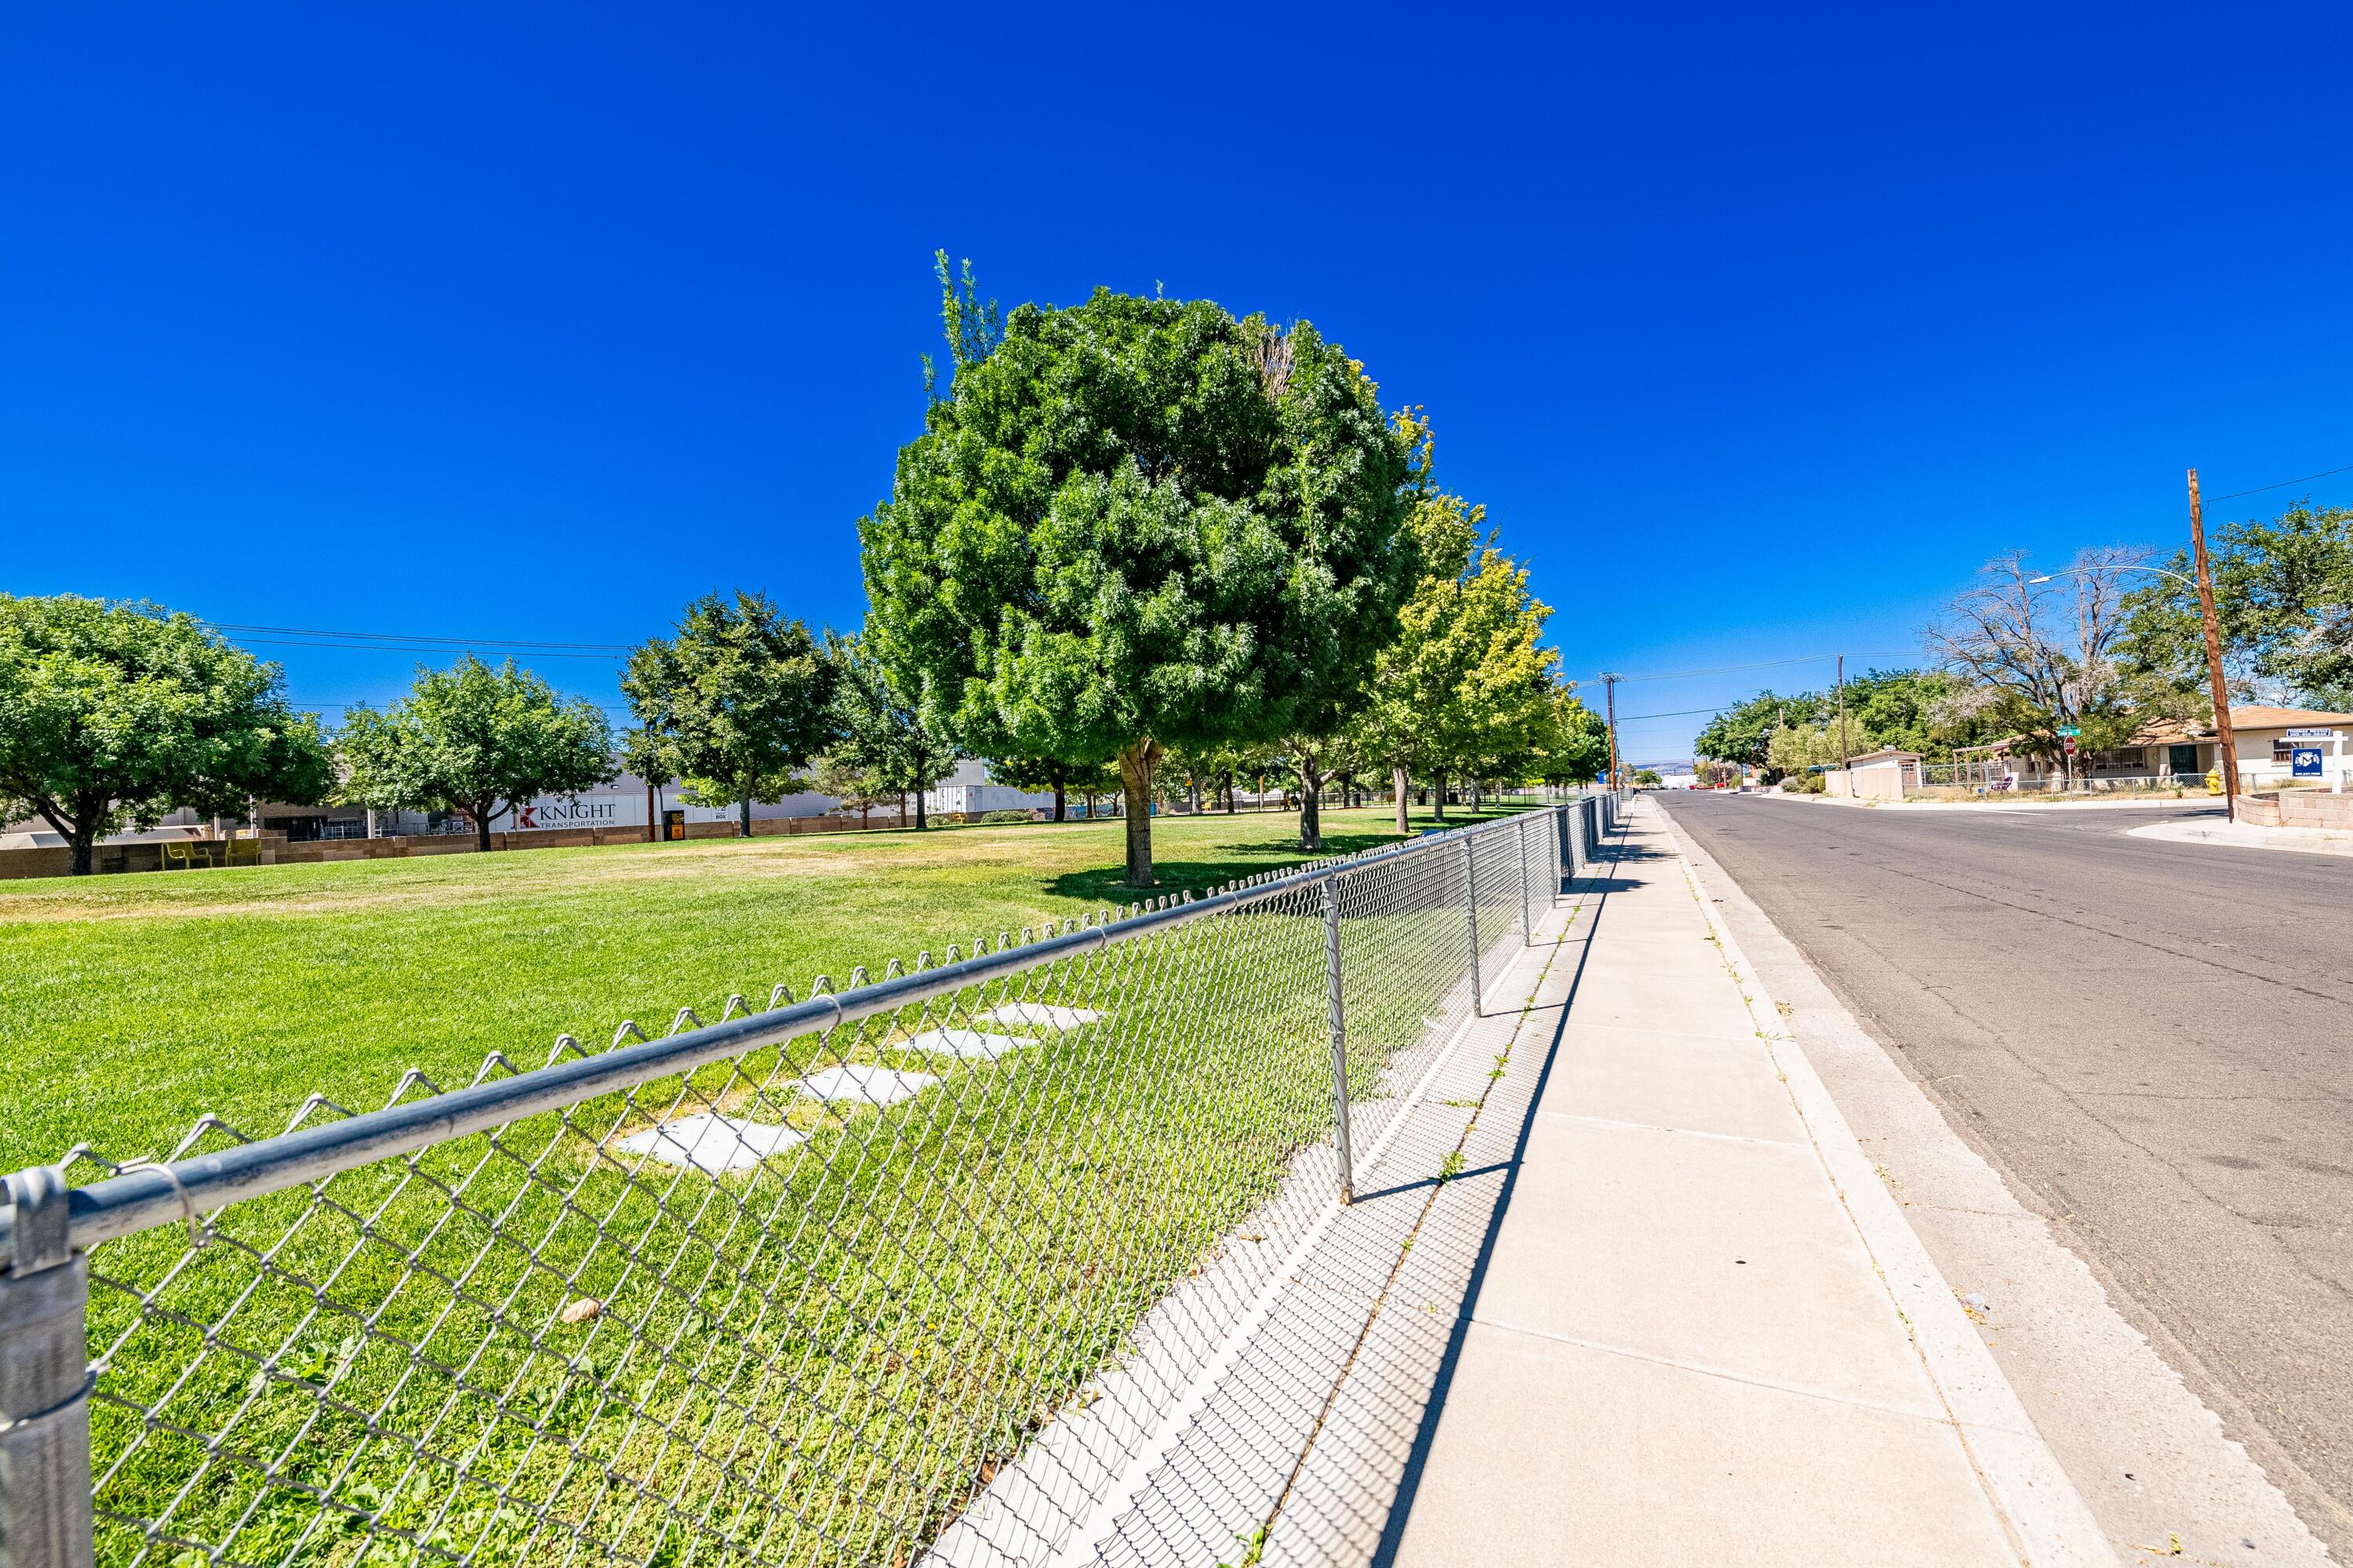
[{"x": 2214, "y": 781}]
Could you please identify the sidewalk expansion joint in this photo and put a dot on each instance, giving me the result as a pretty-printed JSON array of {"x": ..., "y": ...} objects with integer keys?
[
  {"x": 1613, "y": 1125},
  {"x": 1705, "y": 1368}
]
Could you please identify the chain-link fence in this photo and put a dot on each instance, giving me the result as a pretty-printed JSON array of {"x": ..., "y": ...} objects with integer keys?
[{"x": 913, "y": 1272}]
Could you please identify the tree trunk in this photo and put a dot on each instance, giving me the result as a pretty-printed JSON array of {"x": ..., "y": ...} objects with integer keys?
[
  {"x": 84, "y": 841},
  {"x": 482, "y": 814},
  {"x": 1397, "y": 776},
  {"x": 746, "y": 817},
  {"x": 922, "y": 817},
  {"x": 1310, "y": 816},
  {"x": 1231, "y": 807},
  {"x": 1058, "y": 801},
  {"x": 1437, "y": 794},
  {"x": 1193, "y": 797},
  {"x": 1136, "y": 764}
]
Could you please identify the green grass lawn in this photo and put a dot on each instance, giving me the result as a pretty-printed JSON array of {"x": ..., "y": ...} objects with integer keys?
[
  {"x": 817, "y": 1360},
  {"x": 131, "y": 1005}
]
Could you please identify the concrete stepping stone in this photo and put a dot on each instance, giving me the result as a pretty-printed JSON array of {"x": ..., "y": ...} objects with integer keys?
[
  {"x": 712, "y": 1142},
  {"x": 972, "y": 1045},
  {"x": 863, "y": 1084},
  {"x": 1041, "y": 1016}
]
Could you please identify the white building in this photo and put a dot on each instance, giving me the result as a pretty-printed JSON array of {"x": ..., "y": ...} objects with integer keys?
[{"x": 969, "y": 790}]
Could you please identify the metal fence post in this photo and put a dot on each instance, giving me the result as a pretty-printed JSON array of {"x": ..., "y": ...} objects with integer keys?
[
  {"x": 1563, "y": 851},
  {"x": 1339, "y": 1041},
  {"x": 1527, "y": 931},
  {"x": 45, "y": 1508},
  {"x": 1471, "y": 905}
]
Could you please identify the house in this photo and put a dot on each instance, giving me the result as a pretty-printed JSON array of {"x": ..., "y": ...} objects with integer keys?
[
  {"x": 1905, "y": 764},
  {"x": 2169, "y": 748},
  {"x": 1881, "y": 775}
]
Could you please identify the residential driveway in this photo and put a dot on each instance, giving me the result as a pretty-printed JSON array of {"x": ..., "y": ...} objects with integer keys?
[{"x": 2152, "y": 1040}]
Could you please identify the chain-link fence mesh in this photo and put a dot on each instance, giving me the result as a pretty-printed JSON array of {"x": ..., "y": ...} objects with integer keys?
[{"x": 920, "y": 1286}]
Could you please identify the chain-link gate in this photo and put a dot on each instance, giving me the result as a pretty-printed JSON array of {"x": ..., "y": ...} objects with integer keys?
[{"x": 803, "y": 1286}]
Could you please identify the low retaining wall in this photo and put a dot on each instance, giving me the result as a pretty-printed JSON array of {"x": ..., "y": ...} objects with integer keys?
[{"x": 2300, "y": 809}]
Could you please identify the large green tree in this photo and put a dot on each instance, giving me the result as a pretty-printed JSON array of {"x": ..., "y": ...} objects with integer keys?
[
  {"x": 1927, "y": 711},
  {"x": 1573, "y": 746},
  {"x": 901, "y": 748},
  {"x": 1501, "y": 705},
  {"x": 1466, "y": 690},
  {"x": 2283, "y": 596},
  {"x": 1421, "y": 669},
  {"x": 1743, "y": 733},
  {"x": 737, "y": 701},
  {"x": 1039, "y": 774},
  {"x": 1136, "y": 523},
  {"x": 473, "y": 740},
  {"x": 114, "y": 713}
]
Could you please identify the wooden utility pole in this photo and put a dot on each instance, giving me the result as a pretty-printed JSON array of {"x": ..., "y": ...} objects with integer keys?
[
  {"x": 2227, "y": 747},
  {"x": 1843, "y": 752},
  {"x": 1610, "y": 695}
]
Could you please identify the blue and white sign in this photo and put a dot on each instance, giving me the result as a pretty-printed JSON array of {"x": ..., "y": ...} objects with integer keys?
[{"x": 2303, "y": 762}]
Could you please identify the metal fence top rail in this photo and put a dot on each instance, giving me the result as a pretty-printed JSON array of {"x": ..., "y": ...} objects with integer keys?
[{"x": 45, "y": 1221}]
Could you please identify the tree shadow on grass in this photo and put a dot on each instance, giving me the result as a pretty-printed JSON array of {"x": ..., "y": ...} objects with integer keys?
[{"x": 1107, "y": 884}]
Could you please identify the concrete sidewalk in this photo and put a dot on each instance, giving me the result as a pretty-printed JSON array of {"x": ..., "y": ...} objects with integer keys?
[{"x": 1699, "y": 1328}]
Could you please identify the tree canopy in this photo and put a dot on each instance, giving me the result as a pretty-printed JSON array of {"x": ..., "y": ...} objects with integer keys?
[
  {"x": 1743, "y": 733},
  {"x": 114, "y": 714},
  {"x": 2284, "y": 598},
  {"x": 1048, "y": 774},
  {"x": 1139, "y": 522},
  {"x": 476, "y": 741},
  {"x": 737, "y": 702},
  {"x": 893, "y": 741}
]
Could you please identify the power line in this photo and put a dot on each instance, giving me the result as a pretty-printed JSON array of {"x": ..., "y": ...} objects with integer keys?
[
  {"x": 2283, "y": 484},
  {"x": 1680, "y": 713},
  {"x": 1766, "y": 664}
]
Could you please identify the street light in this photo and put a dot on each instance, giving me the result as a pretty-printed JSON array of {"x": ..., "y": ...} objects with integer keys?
[{"x": 2072, "y": 571}]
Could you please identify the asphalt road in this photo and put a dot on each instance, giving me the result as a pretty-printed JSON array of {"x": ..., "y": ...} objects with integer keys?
[{"x": 2153, "y": 1041}]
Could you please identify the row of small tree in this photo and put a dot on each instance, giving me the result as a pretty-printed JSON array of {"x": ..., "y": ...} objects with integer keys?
[{"x": 114, "y": 713}]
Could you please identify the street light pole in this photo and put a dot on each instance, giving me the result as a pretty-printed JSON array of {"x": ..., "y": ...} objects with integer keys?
[{"x": 2225, "y": 744}]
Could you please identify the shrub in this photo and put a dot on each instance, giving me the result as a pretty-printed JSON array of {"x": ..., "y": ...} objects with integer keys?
[
  {"x": 1009, "y": 816},
  {"x": 1802, "y": 784}
]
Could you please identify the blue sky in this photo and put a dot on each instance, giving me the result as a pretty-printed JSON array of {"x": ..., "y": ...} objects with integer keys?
[{"x": 1756, "y": 330}]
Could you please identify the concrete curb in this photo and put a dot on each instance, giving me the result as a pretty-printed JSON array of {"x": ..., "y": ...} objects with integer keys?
[
  {"x": 2248, "y": 835},
  {"x": 2047, "y": 1517}
]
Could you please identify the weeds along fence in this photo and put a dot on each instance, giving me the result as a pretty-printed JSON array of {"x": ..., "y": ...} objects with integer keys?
[{"x": 917, "y": 1271}]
